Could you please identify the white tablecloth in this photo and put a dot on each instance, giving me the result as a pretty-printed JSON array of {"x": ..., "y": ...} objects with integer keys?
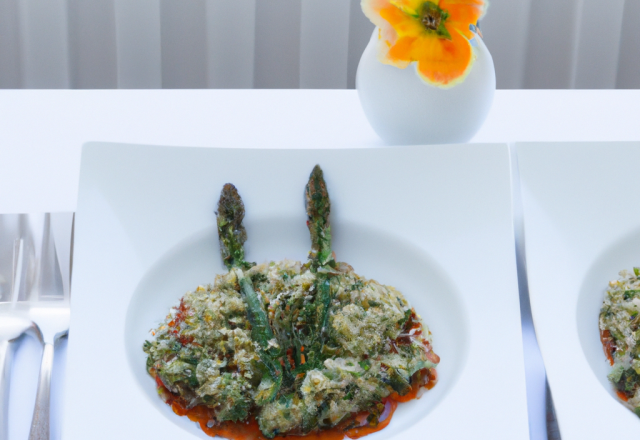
[{"x": 41, "y": 134}]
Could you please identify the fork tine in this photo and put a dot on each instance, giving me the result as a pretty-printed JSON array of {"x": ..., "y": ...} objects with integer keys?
[
  {"x": 8, "y": 234},
  {"x": 29, "y": 279},
  {"x": 62, "y": 233},
  {"x": 73, "y": 235},
  {"x": 18, "y": 266},
  {"x": 50, "y": 285}
]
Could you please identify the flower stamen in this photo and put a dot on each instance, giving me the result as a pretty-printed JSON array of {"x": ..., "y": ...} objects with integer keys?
[{"x": 431, "y": 19}]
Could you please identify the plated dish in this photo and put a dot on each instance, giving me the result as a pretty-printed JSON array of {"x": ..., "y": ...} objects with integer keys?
[
  {"x": 576, "y": 244},
  {"x": 429, "y": 221},
  {"x": 619, "y": 324},
  {"x": 286, "y": 348}
]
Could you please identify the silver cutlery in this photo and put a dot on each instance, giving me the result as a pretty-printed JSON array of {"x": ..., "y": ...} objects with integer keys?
[
  {"x": 11, "y": 328},
  {"x": 16, "y": 273},
  {"x": 49, "y": 310}
]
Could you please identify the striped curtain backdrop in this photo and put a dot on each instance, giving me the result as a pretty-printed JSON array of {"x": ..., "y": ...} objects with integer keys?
[{"x": 293, "y": 43}]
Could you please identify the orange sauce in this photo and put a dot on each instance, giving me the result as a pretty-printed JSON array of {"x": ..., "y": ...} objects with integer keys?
[
  {"x": 361, "y": 431},
  {"x": 432, "y": 375},
  {"x": 407, "y": 397},
  {"x": 250, "y": 430},
  {"x": 608, "y": 344},
  {"x": 203, "y": 416},
  {"x": 622, "y": 396}
]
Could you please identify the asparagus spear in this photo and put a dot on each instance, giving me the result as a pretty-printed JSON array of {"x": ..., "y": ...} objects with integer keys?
[
  {"x": 232, "y": 236},
  {"x": 318, "y": 209},
  {"x": 321, "y": 261},
  {"x": 231, "y": 231}
]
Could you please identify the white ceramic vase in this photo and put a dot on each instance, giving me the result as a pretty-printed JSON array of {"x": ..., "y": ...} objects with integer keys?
[{"x": 404, "y": 110}]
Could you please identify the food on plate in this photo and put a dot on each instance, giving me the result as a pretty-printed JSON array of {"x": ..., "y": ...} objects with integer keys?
[
  {"x": 290, "y": 348},
  {"x": 620, "y": 336}
]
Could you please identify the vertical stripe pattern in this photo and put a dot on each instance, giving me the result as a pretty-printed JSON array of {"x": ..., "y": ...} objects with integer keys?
[
  {"x": 505, "y": 28},
  {"x": 92, "y": 44},
  {"x": 598, "y": 45},
  {"x": 44, "y": 44},
  {"x": 10, "y": 62},
  {"x": 324, "y": 48},
  {"x": 139, "y": 54},
  {"x": 628, "y": 75},
  {"x": 183, "y": 43},
  {"x": 277, "y": 56},
  {"x": 231, "y": 38},
  {"x": 360, "y": 30},
  {"x": 551, "y": 44},
  {"x": 293, "y": 43}
]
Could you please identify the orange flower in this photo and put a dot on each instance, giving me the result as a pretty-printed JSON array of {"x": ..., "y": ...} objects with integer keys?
[{"x": 435, "y": 34}]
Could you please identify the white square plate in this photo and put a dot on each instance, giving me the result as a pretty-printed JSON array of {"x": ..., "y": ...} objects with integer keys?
[
  {"x": 435, "y": 222},
  {"x": 582, "y": 227}
]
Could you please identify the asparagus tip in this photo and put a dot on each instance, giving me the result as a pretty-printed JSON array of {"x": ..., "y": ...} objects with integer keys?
[
  {"x": 230, "y": 229},
  {"x": 317, "y": 197},
  {"x": 317, "y": 172},
  {"x": 318, "y": 210},
  {"x": 230, "y": 206}
]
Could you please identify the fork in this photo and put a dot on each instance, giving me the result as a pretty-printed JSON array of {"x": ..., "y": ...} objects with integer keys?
[
  {"x": 15, "y": 276},
  {"x": 49, "y": 310}
]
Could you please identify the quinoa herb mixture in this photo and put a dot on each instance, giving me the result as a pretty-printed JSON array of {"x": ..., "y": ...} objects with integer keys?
[
  {"x": 620, "y": 335},
  {"x": 292, "y": 348}
]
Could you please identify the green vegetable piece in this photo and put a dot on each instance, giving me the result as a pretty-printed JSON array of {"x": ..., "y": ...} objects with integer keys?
[
  {"x": 324, "y": 301},
  {"x": 233, "y": 404},
  {"x": 629, "y": 294},
  {"x": 230, "y": 229},
  {"x": 261, "y": 331},
  {"x": 400, "y": 383},
  {"x": 407, "y": 315},
  {"x": 637, "y": 410},
  {"x": 636, "y": 270},
  {"x": 616, "y": 373},
  {"x": 421, "y": 365},
  {"x": 318, "y": 210},
  {"x": 268, "y": 388},
  {"x": 309, "y": 421},
  {"x": 365, "y": 364}
]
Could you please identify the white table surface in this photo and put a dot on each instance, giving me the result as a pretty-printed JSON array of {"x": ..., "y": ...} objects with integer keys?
[{"x": 42, "y": 131}]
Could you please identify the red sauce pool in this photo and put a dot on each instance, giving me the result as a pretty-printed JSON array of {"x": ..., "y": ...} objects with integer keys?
[{"x": 249, "y": 430}]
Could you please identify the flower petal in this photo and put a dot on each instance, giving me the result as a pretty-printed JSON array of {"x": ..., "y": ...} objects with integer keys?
[
  {"x": 462, "y": 13},
  {"x": 403, "y": 23},
  {"x": 464, "y": 10},
  {"x": 443, "y": 62},
  {"x": 405, "y": 49},
  {"x": 412, "y": 7},
  {"x": 372, "y": 8},
  {"x": 477, "y": 3}
]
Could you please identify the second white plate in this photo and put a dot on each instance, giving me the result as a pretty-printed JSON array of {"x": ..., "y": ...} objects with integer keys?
[{"x": 582, "y": 227}]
